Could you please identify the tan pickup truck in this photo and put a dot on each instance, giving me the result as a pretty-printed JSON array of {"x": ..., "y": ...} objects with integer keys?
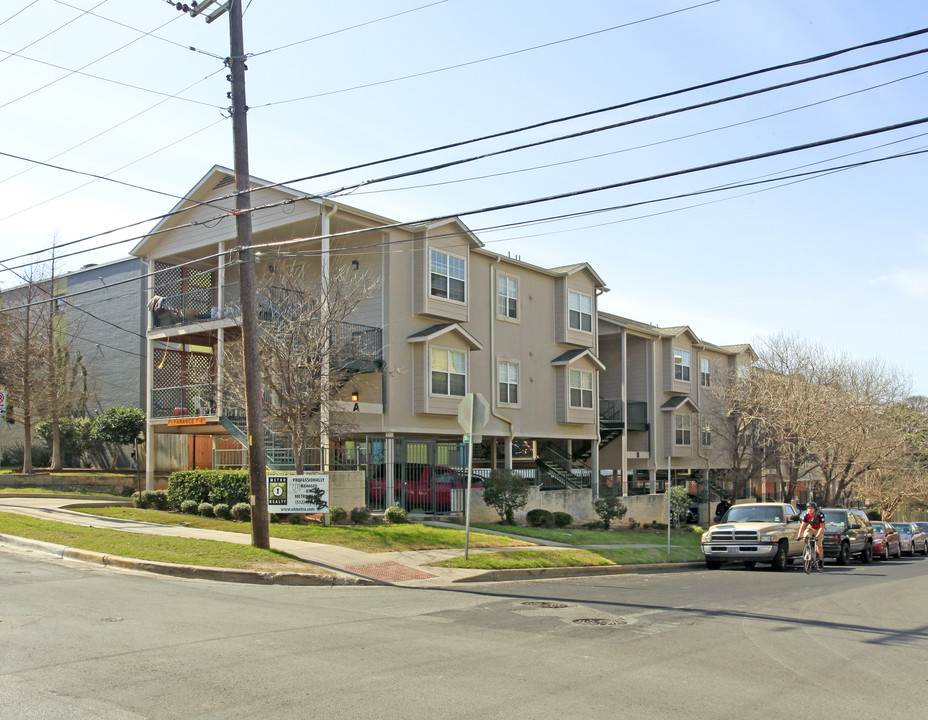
[{"x": 754, "y": 533}]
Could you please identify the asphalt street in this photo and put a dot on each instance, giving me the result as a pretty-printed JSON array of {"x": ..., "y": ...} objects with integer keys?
[{"x": 78, "y": 641}]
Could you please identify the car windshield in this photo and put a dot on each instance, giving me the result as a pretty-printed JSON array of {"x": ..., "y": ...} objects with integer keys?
[
  {"x": 902, "y": 528},
  {"x": 753, "y": 513},
  {"x": 878, "y": 527},
  {"x": 835, "y": 520}
]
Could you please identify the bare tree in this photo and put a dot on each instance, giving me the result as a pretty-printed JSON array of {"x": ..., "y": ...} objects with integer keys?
[
  {"x": 24, "y": 329},
  {"x": 309, "y": 350}
]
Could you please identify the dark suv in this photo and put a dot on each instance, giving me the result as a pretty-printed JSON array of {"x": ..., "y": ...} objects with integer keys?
[{"x": 847, "y": 533}]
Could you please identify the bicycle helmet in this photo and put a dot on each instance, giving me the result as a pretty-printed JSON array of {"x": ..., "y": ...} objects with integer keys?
[{"x": 811, "y": 504}]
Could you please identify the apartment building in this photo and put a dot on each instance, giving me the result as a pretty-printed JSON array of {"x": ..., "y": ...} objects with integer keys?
[
  {"x": 660, "y": 416},
  {"x": 447, "y": 317}
]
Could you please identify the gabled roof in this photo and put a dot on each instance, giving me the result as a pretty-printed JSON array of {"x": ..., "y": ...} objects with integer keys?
[
  {"x": 673, "y": 332},
  {"x": 462, "y": 230},
  {"x": 571, "y": 356},
  {"x": 436, "y": 331},
  {"x": 678, "y": 401},
  {"x": 568, "y": 270}
]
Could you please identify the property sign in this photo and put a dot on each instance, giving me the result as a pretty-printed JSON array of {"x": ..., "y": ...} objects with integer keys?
[
  {"x": 298, "y": 493},
  {"x": 2, "y": 403}
]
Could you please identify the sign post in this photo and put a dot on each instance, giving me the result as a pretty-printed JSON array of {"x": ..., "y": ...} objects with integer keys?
[{"x": 473, "y": 414}]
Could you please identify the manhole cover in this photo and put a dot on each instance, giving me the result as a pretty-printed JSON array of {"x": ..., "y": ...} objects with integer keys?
[
  {"x": 545, "y": 604},
  {"x": 598, "y": 621}
]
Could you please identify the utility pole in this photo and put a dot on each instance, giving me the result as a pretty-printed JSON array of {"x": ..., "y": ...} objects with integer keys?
[{"x": 251, "y": 360}]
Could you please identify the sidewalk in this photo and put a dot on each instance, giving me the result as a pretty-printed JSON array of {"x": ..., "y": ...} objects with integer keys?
[{"x": 347, "y": 566}]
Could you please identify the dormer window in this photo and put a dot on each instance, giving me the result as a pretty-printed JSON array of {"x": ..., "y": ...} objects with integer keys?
[
  {"x": 580, "y": 311},
  {"x": 448, "y": 276},
  {"x": 681, "y": 365}
]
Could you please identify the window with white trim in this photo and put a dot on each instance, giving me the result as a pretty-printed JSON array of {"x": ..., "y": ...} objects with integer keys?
[
  {"x": 448, "y": 276},
  {"x": 705, "y": 432},
  {"x": 744, "y": 372},
  {"x": 682, "y": 429},
  {"x": 581, "y": 389},
  {"x": 681, "y": 365},
  {"x": 580, "y": 311},
  {"x": 704, "y": 372},
  {"x": 507, "y": 297},
  {"x": 449, "y": 372},
  {"x": 508, "y": 382}
]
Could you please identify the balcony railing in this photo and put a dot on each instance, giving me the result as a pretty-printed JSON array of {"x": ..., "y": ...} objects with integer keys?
[
  {"x": 195, "y": 306},
  {"x": 610, "y": 414},
  {"x": 184, "y": 401}
]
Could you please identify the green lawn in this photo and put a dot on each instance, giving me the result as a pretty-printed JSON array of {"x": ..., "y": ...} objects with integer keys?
[
  {"x": 47, "y": 491},
  {"x": 368, "y": 538},
  {"x": 525, "y": 559},
  {"x": 574, "y": 536},
  {"x": 184, "y": 551}
]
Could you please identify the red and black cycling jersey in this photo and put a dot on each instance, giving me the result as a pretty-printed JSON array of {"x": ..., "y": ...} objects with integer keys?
[{"x": 814, "y": 521}]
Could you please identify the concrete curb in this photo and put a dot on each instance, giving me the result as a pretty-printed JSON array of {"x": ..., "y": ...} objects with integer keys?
[
  {"x": 541, "y": 573},
  {"x": 183, "y": 571}
]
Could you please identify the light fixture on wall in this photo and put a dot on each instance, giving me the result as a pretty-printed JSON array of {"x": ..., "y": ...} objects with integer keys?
[{"x": 355, "y": 396}]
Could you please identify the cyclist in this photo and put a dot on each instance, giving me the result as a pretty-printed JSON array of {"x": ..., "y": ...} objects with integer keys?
[{"x": 812, "y": 523}]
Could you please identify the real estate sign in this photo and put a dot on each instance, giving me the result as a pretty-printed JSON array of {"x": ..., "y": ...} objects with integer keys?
[{"x": 298, "y": 493}]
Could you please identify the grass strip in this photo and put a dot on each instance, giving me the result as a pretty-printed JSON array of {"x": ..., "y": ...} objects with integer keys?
[
  {"x": 568, "y": 557},
  {"x": 59, "y": 493},
  {"x": 575, "y": 536},
  {"x": 183, "y": 551},
  {"x": 367, "y": 538}
]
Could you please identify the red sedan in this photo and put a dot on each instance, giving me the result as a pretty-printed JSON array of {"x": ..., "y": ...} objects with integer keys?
[{"x": 885, "y": 541}]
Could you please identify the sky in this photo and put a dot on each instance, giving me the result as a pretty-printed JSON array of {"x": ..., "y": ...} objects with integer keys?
[{"x": 136, "y": 93}]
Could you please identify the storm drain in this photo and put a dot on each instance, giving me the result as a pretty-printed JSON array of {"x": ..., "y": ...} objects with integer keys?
[
  {"x": 545, "y": 604},
  {"x": 598, "y": 621}
]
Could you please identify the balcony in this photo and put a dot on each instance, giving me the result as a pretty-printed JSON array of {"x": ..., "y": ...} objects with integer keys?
[
  {"x": 200, "y": 305},
  {"x": 184, "y": 401}
]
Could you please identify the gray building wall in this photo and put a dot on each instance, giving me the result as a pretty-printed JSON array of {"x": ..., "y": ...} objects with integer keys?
[{"x": 110, "y": 335}]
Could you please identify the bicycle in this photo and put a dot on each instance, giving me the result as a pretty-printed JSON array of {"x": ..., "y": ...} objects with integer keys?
[{"x": 810, "y": 558}]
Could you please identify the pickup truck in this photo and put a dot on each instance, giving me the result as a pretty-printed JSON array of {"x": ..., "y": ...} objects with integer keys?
[
  {"x": 427, "y": 487},
  {"x": 754, "y": 533}
]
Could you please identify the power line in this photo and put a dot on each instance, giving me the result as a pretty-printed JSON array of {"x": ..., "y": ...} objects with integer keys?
[
  {"x": 352, "y": 191},
  {"x": 150, "y": 34},
  {"x": 425, "y": 221},
  {"x": 21, "y": 10},
  {"x": 108, "y": 179},
  {"x": 50, "y": 32},
  {"x": 345, "y": 29},
  {"x": 625, "y": 123},
  {"x": 486, "y": 59},
  {"x": 121, "y": 83},
  {"x": 795, "y": 63},
  {"x": 114, "y": 127},
  {"x": 608, "y": 108}
]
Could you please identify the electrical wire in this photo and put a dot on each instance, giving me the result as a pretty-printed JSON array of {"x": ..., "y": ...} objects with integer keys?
[
  {"x": 608, "y": 108},
  {"x": 752, "y": 73},
  {"x": 284, "y": 243},
  {"x": 119, "y": 182},
  {"x": 71, "y": 71},
  {"x": 486, "y": 59},
  {"x": 345, "y": 29},
  {"x": 114, "y": 127},
  {"x": 149, "y": 34},
  {"x": 624, "y": 123},
  {"x": 52, "y": 32},
  {"x": 21, "y": 10},
  {"x": 639, "y": 147}
]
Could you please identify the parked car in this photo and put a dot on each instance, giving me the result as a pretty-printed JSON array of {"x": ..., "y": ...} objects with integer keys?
[
  {"x": 885, "y": 541},
  {"x": 923, "y": 526},
  {"x": 753, "y": 533},
  {"x": 847, "y": 533},
  {"x": 427, "y": 487},
  {"x": 912, "y": 539}
]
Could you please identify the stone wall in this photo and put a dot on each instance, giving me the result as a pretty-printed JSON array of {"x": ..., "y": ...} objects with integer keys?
[{"x": 80, "y": 482}]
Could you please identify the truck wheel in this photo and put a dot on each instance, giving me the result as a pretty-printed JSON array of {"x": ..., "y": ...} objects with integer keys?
[
  {"x": 867, "y": 554},
  {"x": 844, "y": 554},
  {"x": 750, "y": 564},
  {"x": 779, "y": 560},
  {"x": 713, "y": 564}
]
